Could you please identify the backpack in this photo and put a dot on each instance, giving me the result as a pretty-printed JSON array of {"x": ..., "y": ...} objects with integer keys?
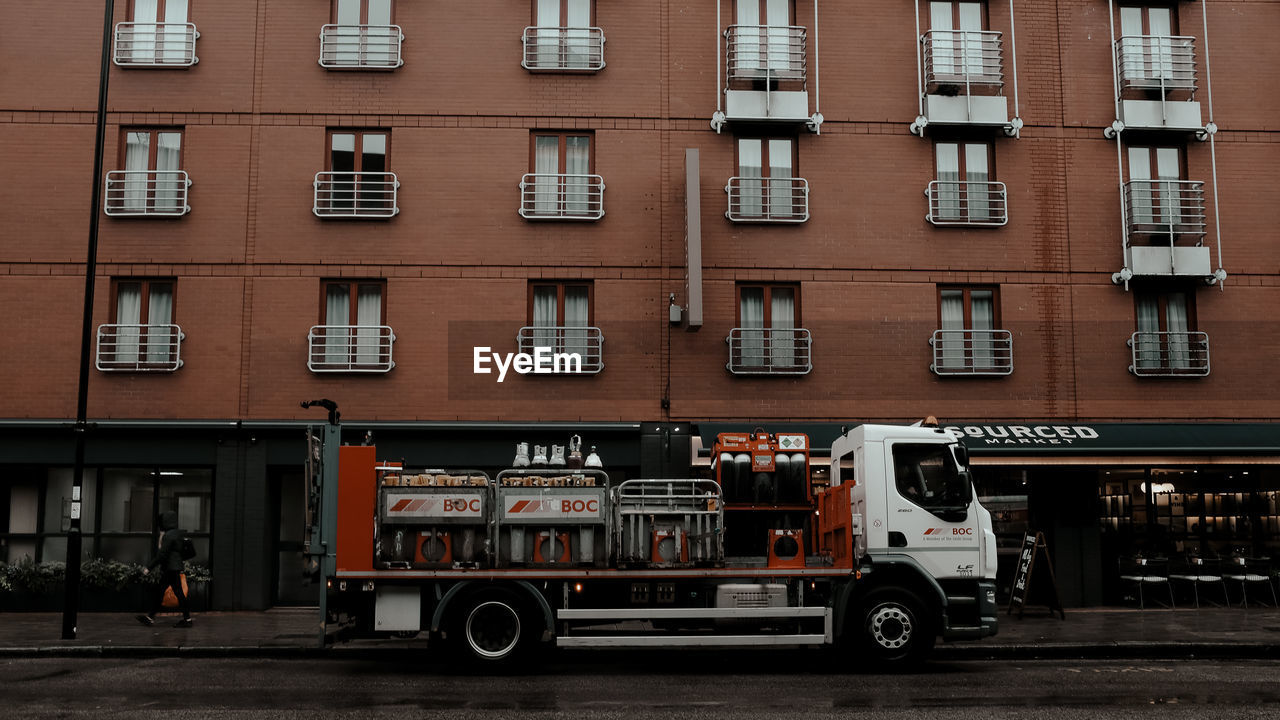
[{"x": 188, "y": 549}]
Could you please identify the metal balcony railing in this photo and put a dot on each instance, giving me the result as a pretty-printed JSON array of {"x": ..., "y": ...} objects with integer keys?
[
  {"x": 155, "y": 45},
  {"x": 769, "y": 351},
  {"x": 765, "y": 199},
  {"x": 1169, "y": 354},
  {"x": 563, "y": 49},
  {"x": 767, "y": 52},
  {"x": 554, "y": 196},
  {"x": 585, "y": 342},
  {"x": 361, "y": 47},
  {"x": 972, "y": 352},
  {"x": 126, "y": 347},
  {"x": 960, "y": 59},
  {"x": 356, "y": 195},
  {"x": 1166, "y": 207},
  {"x": 969, "y": 203},
  {"x": 350, "y": 348},
  {"x": 146, "y": 193},
  {"x": 1153, "y": 62}
]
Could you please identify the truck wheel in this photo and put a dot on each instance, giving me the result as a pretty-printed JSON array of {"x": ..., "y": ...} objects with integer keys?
[
  {"x": 491, "y": 629},
  {"x": 895, "y": 632}
]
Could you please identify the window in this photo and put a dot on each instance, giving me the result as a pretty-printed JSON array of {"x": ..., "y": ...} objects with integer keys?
[
  {"x": 927, "y": 476},
  {"x": 964, "y": 193},
  {"x": 1157, "y": 193},
  {"x": 353, "y": 333},
  {"x": 152, "y": 181},
  {"x": 1166, "y": 341},
  {"x": 767, "y": 336},
  {"x": 969, "y": 341},
  {"x": 361, "y": 35},
  {"x": 356, "y": 181},
  {"x": 562, "y": 37},
  {"x": 141, "y": 334},
  {"x": 766, "y": 187},
  {"x": 159, "y": 34},
  {"x": 561, "y": 184},
  {"x": 762, "y": 45},
  {"x": 1148, "y": 45},
  {"x": 957, "y": 40},
  {"x": 560, "y": 318}
]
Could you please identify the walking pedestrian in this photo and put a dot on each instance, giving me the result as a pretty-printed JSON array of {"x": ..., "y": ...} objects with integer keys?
[{"x": 168, "y": 561}]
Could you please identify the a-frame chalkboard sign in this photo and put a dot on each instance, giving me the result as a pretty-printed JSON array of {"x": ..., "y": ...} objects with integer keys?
[{"x": 1033, "y": 545}]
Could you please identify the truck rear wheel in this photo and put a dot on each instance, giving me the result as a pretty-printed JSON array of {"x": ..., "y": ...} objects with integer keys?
[
  {"x": 491, "y": 628},
  {"x": 895, "y": 632}
]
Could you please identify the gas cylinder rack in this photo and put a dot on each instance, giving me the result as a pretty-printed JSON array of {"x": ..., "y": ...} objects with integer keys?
[
  {"x": 768, "y": 494},
  {"x": 552, "y": 517},
  {"x": 432, "y": 518}
]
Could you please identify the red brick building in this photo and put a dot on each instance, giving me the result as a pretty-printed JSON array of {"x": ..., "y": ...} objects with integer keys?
[{"x": 1016, "y": 216}]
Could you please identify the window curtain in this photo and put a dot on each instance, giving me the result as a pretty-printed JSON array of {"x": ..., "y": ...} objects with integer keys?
[
  {"x": 750, "y": 38},
  {"x": 160, "y": 336},
  {"x": 781, "y": 203},
  {"x": 575, "y": 322},
  {"x": 950, "y": 353},
  {"x": 369, "y": 321},
  {"x": 544, "y": 317},
  {"x": 1148, "y": 341},
  {"x": 750, "y": 178},
  {"x": 137, "y": 157},
  {"x": 547, "y": 44},
  {"x": 778, "y": 35},
  {"x": 1178, "y": 342},
  {"x": 577, "y": 40},
  {"x": 128, "y": 319},
  {"x": 175, "y": 32},
  {"x": 169, "y": 185},
  {"x": 144, "y": 31},
  {"x": 1161, "y": 21},
  {"x": 781, "y": 332},
  {"x": 976, "y": 175},
  {"x": 944, "y": 43},
  {"x": 577, "y": 188},
  {"x": 982, "y": 313},
  {"x": 546, "y": 183},
  {"x": 947, "y": 201},
  {"x": 1141, "y": 197},
  {"x": 970, "y": 38},
  {"x": 751, "y": 319},
  {"x": 379, "y": 39},
  {"x": 346, "y": 43},
  {"x": 1170, "y": 192},
  {"x": 337, "y": 343}
]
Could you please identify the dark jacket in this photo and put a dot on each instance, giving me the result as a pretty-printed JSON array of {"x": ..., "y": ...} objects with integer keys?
[{"x": 169, "y": 555}]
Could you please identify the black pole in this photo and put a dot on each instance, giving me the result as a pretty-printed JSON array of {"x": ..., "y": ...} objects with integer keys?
[{"x": 71, "y": 602}]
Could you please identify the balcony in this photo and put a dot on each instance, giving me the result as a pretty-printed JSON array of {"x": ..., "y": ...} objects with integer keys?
[
  {"x": 361, "y": 47},
  {"x": 1156, "y": 76},
  {"x": 1169, "y": 354},
  {"x": 768, "y": 200},
  {"x": 1166, "y": 227},
  {"x": 554, "y": 196},
  {"x": 563, "y": 49},
  {"x": 139, "y": 348},
  {"x": 355, "y": 195},
  {"x": 766, "y": 74},
  {"x": 155, "y": 45},
  {"x": 585, "y": 342},
  {"x": 967, "y": 203},
  {"x": 963, "y": 79},
  {"x": 972, "y": 352},
  {"x": 769, "y": 351},
  {"x": 350, "y": 349},
  {"x": 146, "y": 193}
]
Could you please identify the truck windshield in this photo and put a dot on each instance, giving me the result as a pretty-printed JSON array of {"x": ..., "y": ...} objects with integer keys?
[{"x": 926, "y": 474}]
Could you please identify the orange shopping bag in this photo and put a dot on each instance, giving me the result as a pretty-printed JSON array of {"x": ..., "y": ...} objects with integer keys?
[{"x": 171, "y": 600}]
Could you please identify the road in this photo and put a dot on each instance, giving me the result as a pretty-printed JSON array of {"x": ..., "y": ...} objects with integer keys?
[{"x": 589, "y": 685}]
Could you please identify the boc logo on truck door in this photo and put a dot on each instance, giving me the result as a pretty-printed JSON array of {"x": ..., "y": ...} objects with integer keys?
[{"x": 948, "y": 535}]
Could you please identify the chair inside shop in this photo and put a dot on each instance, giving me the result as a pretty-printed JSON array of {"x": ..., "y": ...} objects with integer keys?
[
  {"x": 1145, "y": 572},
  {"x": 1250, "y": 571},
  {"x": 1196, "y": 571}
]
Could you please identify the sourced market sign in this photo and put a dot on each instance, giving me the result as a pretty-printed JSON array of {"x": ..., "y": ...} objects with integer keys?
[{"x": 1218, "y": 438}]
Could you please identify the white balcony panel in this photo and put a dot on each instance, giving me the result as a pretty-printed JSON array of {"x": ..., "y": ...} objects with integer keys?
[
  {"x": 563, "y": 49},
  {"x": 350, "y": 349},
  {"x": 767, "y": 105},
  {"x": 967, "y": 204},
  {"x": 1165, "y": 260},
  {"x": 585, "y": 342},
  {"x": 555, "y": 196},
  {"x": 1181, "y": 115},
  {"x": 768, "y": 200},
  {"x": 769, "y": 351},
  {"x": 355, "y": 195},
  {"x": 963, "y": 60},
  {"x": 139, "y": 348},
  {"x": 967, "y": 110},
  {"x": 155, "y": 45},
  {"x": 972, "y": 352},
  {"x": 146, "y": 193},
  {"x": 361, "y": 47},
  {"x": 1169, "y": 354}
]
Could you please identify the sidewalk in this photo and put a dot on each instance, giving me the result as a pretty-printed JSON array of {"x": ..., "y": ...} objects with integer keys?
[{"x": 293, "y": 632}]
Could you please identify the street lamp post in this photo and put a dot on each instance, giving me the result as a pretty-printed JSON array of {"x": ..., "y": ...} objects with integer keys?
[{"x": 71, "y": 602}]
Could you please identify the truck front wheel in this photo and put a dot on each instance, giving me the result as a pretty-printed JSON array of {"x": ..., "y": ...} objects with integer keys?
[{"x": 895, "y": 632}]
